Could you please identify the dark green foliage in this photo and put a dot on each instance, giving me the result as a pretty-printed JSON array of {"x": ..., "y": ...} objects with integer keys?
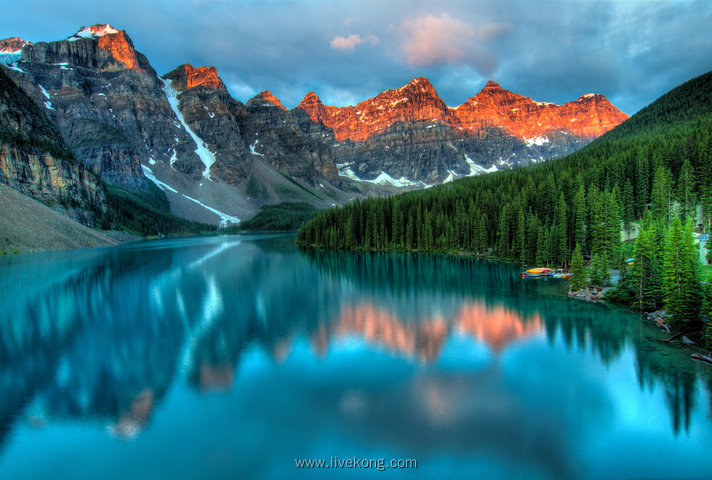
[
  {"x": 147, "y": 214},
  {"x": 624, "y": 291},
  {"x": 647, "y": 272},
  {"x": 298, "y": 185},
  {"x": 598, "y": 272},
  {"x": 681, "y": 284},
  {"x": 578, "y": 270},
  {"x": 707, "y": 336},
  {"x": 684, "y": 104},
  {"x": 278, "y": 218}
]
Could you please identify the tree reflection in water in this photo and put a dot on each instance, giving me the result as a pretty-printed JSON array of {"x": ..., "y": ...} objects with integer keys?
[{"x": 103, "y": 335}]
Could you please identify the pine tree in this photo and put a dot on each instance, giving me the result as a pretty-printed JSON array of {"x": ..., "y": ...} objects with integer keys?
[
  {"x": 578, "y": 270},
  {"x": 580, "y": 217},
  {"x": 661, "y": 196},
  {"x": 410, "y": 234},
  {"x": 521, "y": 237},
  {"x": 628, "y": 208},
  {"x": 686, "y": 190},
  {"x": 681, "y": 286},
  {"x": 541, "y": 257},
  {"x": 598, "y": 271},
  {"x": 484, "y": 224},
  {"x": 560, "y": 246},
  {"x": 503, "y": 244},
  {"x": 642, "y": 183},
  {"x": 647, "y": 272},
  {"x": 612, "y": 220}
]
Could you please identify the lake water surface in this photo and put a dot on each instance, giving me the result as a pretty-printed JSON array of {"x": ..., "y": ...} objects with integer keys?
[{"x": 236, "y": 357}]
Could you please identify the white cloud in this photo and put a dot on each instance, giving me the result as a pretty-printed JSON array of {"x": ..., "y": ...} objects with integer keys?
[{"x": 349, "y": 43}]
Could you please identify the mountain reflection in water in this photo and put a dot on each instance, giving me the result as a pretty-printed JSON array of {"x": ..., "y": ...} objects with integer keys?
[{"x": 103, "y": 336}]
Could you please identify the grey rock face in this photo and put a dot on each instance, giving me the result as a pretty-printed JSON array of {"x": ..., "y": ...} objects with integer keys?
[
  {"x": 35, "y": 160},
  {"x": 109, "y": 105}
]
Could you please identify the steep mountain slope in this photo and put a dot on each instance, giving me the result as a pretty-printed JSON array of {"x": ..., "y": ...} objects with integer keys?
[
  {"x": 119, "y": 117},
  {"x": 259, "y": 152},
  {"x": 183, "y": 132},
  {"x": 236, "y": 133},
  {"x": 28, "y": 226},
  {"x": 35, "y": 160}
]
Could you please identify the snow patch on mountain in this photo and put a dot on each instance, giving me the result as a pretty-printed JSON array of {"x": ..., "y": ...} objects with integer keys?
[
  {"x": 225, "y": 218},
  {"x": 478, "y": 169},
  {"x": 10, "y": 57},
  {"x": 206, "y": 156},
  {"x": 93, "y": 32},
  {"x": 255, "y": 152},
  {"x": 47, "y": 103},
  {"x": 382, "y": 179},
  {"x": 148, "y": 173},
  {"x": 536, "y": 141},
  {"x": 385, "y": 179}
]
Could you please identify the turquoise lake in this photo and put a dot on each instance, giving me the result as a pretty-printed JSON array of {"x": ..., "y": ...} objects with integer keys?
[{"x": 237, "y": 357}]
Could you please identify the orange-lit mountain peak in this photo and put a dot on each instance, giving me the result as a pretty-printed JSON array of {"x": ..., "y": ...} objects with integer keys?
[
  {"x": 112, "y": 40},
  {"x": 419, "y": 85},
  {"x": 493, "y": 93},
  {"x": 417, "y": 102},
  {"x": 187, "y": 76},
  {"x": 101, "y": 29},
  {"x": 202, "y": 77},
  {"x": 589, "y": 117},
  {"x": 497, "y": 327},
  {"x": 12, "y": 44},
  {"x": 310, "y": 98},
  {"x": 120, "y": 47},
  {"x": 317, "y": 111},
  {"x": 267, "y": 95}
]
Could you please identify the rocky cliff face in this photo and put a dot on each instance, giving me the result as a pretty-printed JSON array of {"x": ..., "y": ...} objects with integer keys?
[
  {"x": 414, "y": 102},
  {"x": 589, "y": 117},
  {"x": 184, "y": 132},
  {"x": 12, "y": 45},
  {"x": 35, "y": 160},
  {"x": 238, "y": 134},
  {"x": 108, "y": 103},
  {"x": 408, "y": 135},
  {"x": 289, "y": 140}
]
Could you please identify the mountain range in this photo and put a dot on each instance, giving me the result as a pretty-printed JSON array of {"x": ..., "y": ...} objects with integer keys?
[{"x": 99, "y": 102}]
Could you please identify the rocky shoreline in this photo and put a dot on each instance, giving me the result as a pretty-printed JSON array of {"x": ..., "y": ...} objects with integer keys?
[
  {"x": 590, "y": 294},
  {"x": 659, "y": 317}
]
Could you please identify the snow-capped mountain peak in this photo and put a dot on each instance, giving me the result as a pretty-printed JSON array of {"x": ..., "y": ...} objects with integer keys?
[{"x": 95, "y": 31}]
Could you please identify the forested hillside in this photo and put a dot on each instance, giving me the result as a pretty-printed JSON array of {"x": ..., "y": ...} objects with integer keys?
[{"x": 537, "y": 215}]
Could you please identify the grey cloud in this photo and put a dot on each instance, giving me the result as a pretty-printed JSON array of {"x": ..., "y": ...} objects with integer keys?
[{"x": 553, "y": 50}]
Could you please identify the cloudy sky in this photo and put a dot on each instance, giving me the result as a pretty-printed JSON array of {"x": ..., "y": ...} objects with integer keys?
[{"x": 349, "y": 50}]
